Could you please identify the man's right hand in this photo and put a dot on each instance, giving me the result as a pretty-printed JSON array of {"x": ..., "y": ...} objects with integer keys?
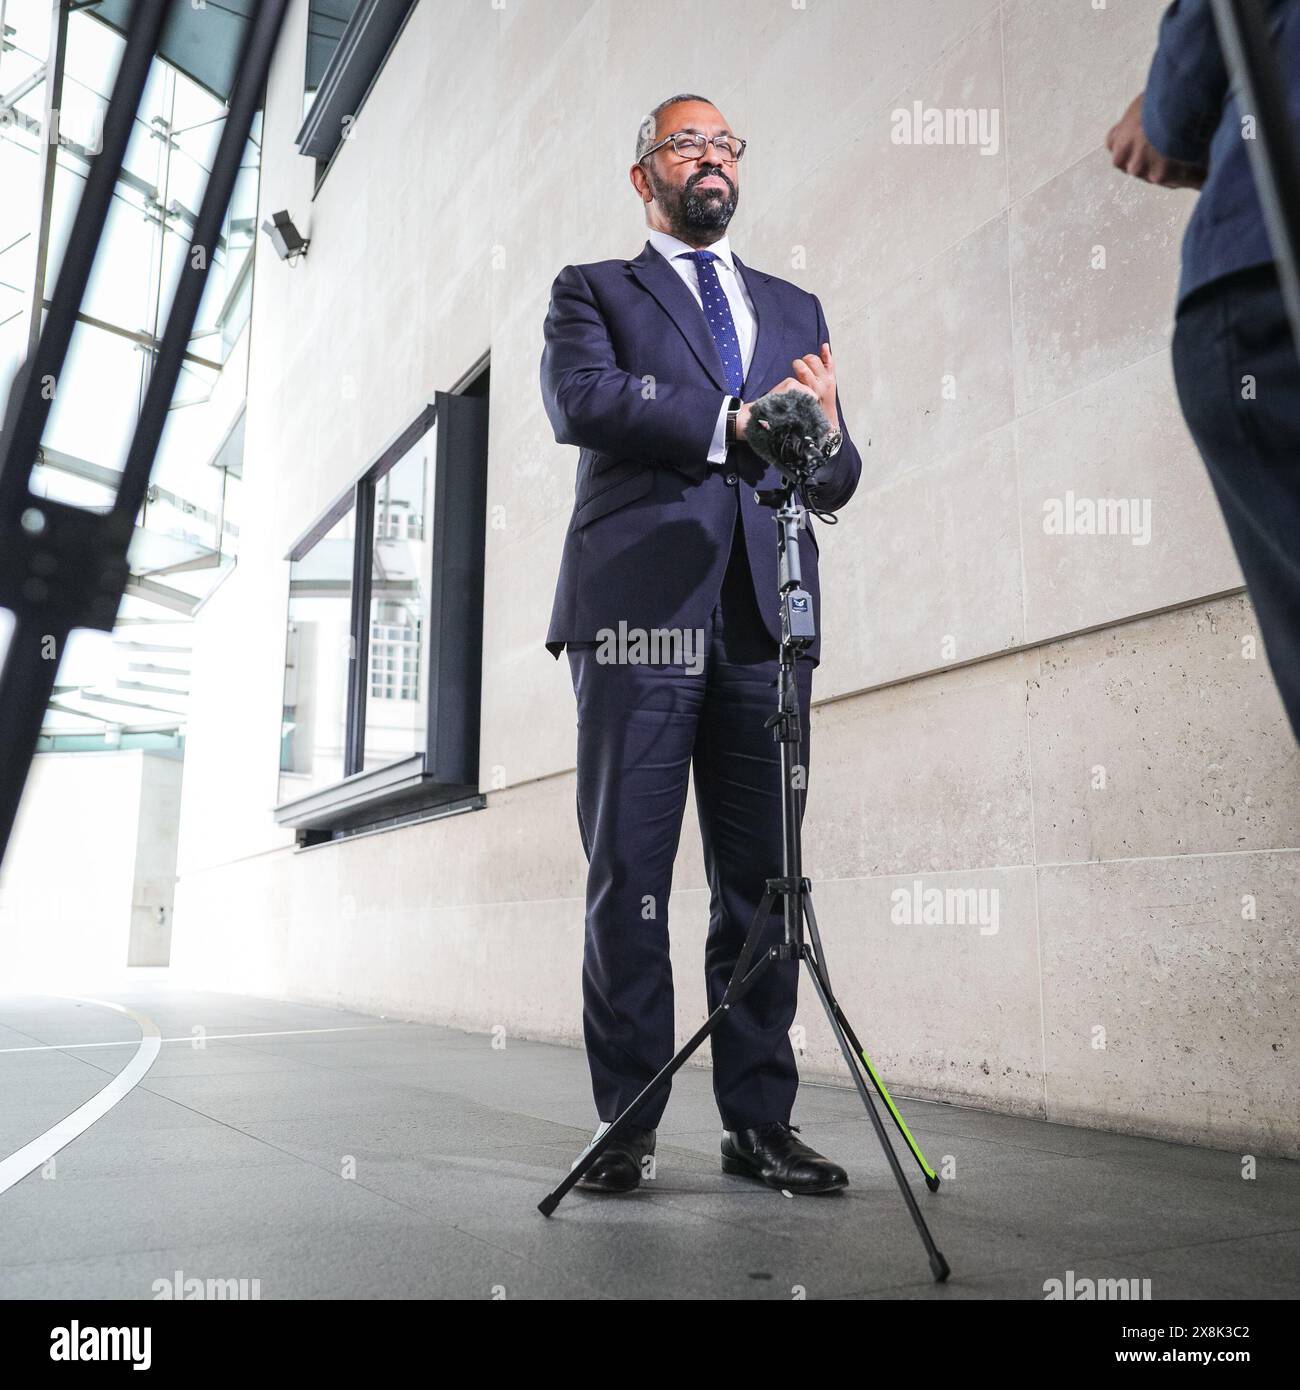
[{"x": 1134, "y": 154}]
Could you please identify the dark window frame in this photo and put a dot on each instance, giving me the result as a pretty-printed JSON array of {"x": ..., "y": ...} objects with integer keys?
[
  {"x": 362, "y": 53},
  {"x": 442, "y": 776}
]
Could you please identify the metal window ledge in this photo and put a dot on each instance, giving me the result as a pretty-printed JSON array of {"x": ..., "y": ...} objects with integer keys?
[
  {"x": 346, "y": 83},
  {"x": 401, "y": 790}
]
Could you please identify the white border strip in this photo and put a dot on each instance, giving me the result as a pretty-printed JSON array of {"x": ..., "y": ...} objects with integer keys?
[
  {"x": 30, "y": 1157},
  {"x": 194, "y": 1039}
]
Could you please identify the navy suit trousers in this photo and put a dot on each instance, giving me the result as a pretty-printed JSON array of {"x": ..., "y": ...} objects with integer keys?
[
  {"x": 1228, "y": 331},
  {"x": 642, "y": 730}
]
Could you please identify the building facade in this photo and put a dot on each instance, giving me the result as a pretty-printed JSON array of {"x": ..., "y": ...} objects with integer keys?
[{"x": 1054, "y": 805}]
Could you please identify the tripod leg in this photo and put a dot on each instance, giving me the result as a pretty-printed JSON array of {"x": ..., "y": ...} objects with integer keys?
[
  {"x": 749, "y": 946},
  {"x": 735, "y": 990},
  {"x": 938, "y": 1265},
  {"x": 931, "y": 1177}
]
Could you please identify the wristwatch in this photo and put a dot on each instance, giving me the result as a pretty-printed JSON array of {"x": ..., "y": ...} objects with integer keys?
[{"x": 733, "y": 410}]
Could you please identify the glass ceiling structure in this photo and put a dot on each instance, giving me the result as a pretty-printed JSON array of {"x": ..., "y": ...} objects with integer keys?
[{"x": 130, "y": 687}]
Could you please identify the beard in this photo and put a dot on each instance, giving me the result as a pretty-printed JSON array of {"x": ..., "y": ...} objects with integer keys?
[{"x": 693, "y": 210}]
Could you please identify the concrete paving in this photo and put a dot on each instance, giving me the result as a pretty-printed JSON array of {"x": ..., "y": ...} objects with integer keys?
[{"x": 379, "y": 1159}]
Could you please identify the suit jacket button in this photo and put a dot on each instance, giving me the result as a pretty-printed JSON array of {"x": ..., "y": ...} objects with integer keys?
[{"x": 732, "y": 479}]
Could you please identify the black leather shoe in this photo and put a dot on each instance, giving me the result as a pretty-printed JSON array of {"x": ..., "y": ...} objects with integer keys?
[
  {"x": 773, "y": 1155},
  {"x": 619, "y": 1168}
]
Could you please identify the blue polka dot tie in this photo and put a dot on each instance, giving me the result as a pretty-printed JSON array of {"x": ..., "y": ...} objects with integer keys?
[{"x": 718, "y": 313}]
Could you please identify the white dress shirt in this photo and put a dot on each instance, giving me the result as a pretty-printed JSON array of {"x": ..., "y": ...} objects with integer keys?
[{"x": 676, "y": 252}]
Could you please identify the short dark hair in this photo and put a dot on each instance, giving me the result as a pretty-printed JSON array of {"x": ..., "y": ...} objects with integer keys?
[{"x": 646, "y": 135}]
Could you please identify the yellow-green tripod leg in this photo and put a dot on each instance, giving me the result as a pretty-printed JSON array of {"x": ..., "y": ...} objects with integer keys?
[
  {"x": 931, "y": 1177},
  {"x": 818, "y": 965}
]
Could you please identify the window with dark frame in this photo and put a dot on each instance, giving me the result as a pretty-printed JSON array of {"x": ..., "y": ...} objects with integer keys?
[
  {"x": 348, "y": 43},
  {"x": 327, "y": 20},
  {"x": 384, "y": 638}
]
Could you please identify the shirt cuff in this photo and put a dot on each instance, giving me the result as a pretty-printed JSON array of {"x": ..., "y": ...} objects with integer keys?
[{"x": 718, "y": 448}]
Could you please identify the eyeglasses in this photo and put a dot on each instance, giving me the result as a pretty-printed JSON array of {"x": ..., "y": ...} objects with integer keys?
[{"x": 690, "y": 145}]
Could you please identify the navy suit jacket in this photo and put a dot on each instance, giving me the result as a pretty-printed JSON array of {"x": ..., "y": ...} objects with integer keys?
[
  {"x": 631, "y": 375},
  {"x": 1190, "y": 113}
]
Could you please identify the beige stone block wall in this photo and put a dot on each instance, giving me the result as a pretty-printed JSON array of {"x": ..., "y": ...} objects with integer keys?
[{"x": 1001, "y": 323}]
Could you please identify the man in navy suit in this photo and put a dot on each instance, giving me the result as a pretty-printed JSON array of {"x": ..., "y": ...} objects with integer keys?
[
  {"x": 667, "y": 606},
  {"x": 1234, "y": 355}
]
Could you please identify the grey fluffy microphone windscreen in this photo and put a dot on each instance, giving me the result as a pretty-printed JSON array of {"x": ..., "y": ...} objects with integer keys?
[{"x": 786, "y": 429}]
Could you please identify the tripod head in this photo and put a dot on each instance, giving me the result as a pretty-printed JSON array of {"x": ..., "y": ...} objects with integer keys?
[
  {"x": 798, "y": 620},
  {"x": 785, "y": 430}
]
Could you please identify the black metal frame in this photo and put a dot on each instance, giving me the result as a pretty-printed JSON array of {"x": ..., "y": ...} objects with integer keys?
[
  {"x": 1254, "y": 70},
  {"x": 58, "y": 52},
  {"x": 62, "y": 567}
]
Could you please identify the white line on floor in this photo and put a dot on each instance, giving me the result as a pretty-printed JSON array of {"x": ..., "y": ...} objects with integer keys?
[
  {"x": 193, "y": 1038},
  {"x": 17, "y": 1166}
]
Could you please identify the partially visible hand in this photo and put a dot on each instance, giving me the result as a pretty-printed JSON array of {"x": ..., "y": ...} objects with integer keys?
[
  {"x": 816, "y": 373},
  {"x": 1132, "y": 153}
]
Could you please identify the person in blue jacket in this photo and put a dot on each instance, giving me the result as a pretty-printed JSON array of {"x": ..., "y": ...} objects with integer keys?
[{"x": 1234, "y": 357}]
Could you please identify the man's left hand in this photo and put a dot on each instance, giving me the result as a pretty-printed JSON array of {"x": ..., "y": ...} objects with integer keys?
[{"x": 817, "y": 374}]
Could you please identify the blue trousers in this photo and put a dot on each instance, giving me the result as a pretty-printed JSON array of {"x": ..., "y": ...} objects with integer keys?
[{"x": 643, "y": 728}]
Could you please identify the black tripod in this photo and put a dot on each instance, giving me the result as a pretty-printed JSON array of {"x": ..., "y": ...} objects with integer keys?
[{"x": 798, "y": 628}]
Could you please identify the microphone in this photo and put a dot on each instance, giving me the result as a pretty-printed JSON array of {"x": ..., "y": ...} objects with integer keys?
[{"x": 796, "y": 425}]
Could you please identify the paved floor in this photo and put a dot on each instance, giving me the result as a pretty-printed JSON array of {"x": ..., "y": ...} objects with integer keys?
[{"x": 389, "y": 1160}]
